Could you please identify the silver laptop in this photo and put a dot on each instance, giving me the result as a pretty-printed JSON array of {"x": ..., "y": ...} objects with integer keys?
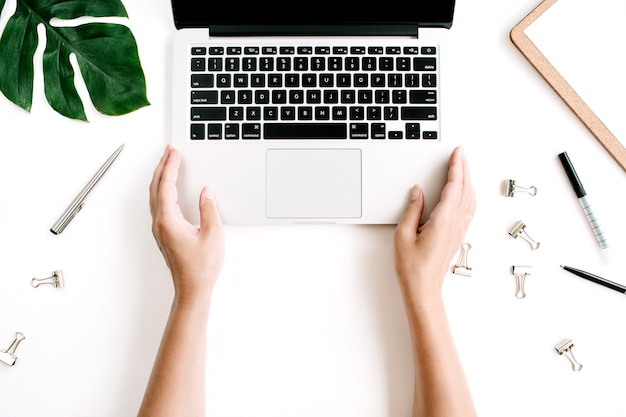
[{"x": 318, "y": 116}]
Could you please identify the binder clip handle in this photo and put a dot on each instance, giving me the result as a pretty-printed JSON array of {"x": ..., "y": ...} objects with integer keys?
[
  {"x": 462, "y": 268},
  {"x": 56, "y": 280},
  {"x": 18, "y": 338},
  {"x": 8, "y": 356},
  {"x": 520, "y": 273}
]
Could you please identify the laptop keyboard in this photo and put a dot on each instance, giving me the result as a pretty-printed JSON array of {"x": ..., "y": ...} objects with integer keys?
[{"x": 335, "y": 93}]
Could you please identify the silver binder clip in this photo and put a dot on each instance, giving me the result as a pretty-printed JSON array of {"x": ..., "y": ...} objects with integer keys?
[
  {"x": 461, "y": 268},
  {"x": 520, "y": 273},
  {"x": 510, "y": 188},
  {"x": 565, "y": 348},
  {"x": 55, "y": 280},
  {"x": 519, "y": 231},
  {"x": 8, "y": 356}
]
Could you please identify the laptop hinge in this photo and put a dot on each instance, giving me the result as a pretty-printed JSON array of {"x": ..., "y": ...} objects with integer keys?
[{"x": 313, "y": 30}]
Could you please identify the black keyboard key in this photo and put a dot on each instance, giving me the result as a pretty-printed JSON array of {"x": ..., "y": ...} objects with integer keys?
[
  {"x": 266, "y": 64},
  {"x": 198, "y": 50},
  {"x": 390, "y": 113},
  {"x": 214, "y": 131},
  {"x": 240, "y": 80},
  {"x": 358, "y": 131},
  {"x": 429, "y": 50},
  {"x": 411, "y": 80},
  {"x": 378, "y": 131},
  {"x": 251, "y": 131},
  {"x": 197, "y": 131},
  {"x": 202, "y": 81},
  {"x": 398, "y": 96},
  {"x": 215, "y": 64},
  {"x": 198, "y": 64},
  {"x": 305, "y": 113},
  {"x": 322, "y": 113},
  {"x": 288, "y": 113},
  {"x": 412, "y": 130},
  {"x": 403, "y": 64},
  {"x": 305, "y": 131},
  {"x": 424, "y": 64},
  {"x": 253, "y": 113},
  {"x": 419, "y": 113},
  {"x": 429, "y": 80},
  {"x": 208, "y": 113},
  {"x": 301, "y": 64},
  {"x": 232, "y": 64},
  {"x": 423, "y": 96},
  {"x": 235, "y": 113},
  {"x": 231, "y": 131},
  {"x": 204, "y": 97}
]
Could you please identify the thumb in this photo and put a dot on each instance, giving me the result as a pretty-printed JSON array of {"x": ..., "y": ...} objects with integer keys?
[
  {"x": 412, "y": 216},
  {"x": 209, "y": 214}
]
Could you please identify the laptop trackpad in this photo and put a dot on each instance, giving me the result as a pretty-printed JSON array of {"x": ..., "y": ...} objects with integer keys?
[{"x": 313, "y": 183}]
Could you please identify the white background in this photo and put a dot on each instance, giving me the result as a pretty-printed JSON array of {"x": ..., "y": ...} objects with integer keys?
[{"x": 307, "y": 320}]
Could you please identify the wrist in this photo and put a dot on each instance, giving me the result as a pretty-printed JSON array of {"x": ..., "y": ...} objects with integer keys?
[{"x": 192, "y": 302}]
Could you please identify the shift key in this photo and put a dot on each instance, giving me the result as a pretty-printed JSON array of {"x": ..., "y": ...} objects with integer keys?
[
  {"x": 419, "y": 113},
  {"x": 208, "y": 113}
]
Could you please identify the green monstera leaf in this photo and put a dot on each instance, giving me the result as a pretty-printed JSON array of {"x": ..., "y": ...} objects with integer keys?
[{"x": 106, "y": 54}]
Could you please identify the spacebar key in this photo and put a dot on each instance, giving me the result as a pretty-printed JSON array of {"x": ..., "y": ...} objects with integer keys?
[{"x": 305, "y": 131}]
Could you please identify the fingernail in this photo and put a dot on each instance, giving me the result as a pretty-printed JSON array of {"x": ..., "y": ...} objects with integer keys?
[{"x": 416, "y": 193}]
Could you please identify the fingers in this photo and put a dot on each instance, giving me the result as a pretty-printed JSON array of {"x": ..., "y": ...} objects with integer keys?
[
  {"x": 156, "y": 180},
  {"x": 407, "y": 227},
  {"x": 209, "y": 214},
  {"x": 458, "y": 193},
  {"x": 167, "y": 194}
]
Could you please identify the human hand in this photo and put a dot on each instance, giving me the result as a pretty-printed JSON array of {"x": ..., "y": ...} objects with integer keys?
[
  {"x": 193, "y": 254},
  {"x": 422, "y": 253}
]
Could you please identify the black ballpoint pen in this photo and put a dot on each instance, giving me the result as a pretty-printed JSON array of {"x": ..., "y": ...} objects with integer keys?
[{"x": 594, "y": 278}]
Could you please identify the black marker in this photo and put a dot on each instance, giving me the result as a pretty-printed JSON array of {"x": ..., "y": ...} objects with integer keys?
[
  {"x": 594, "y": 278},
  {"x": 582, "y": 198}
]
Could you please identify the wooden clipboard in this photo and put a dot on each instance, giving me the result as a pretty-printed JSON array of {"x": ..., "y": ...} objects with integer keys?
[{"x": 562, "y": 88}]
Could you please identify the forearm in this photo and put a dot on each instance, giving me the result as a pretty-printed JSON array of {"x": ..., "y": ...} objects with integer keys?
[
  {"x": 440, "y": 386},
  {"x": 177, "y": 382}
]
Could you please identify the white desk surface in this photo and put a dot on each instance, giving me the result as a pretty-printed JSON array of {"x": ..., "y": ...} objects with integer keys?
[{"x": 308, "y": 320}]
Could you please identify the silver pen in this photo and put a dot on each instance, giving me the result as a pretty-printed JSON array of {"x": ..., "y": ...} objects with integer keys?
[{"x": 79, "y": 201}]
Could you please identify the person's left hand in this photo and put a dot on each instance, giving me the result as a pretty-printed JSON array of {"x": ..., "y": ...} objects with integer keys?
[{"x": 193, "y": 254}]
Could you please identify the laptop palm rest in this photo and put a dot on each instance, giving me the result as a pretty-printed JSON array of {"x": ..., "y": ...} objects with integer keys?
[{"x": 313, "y": 183}]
